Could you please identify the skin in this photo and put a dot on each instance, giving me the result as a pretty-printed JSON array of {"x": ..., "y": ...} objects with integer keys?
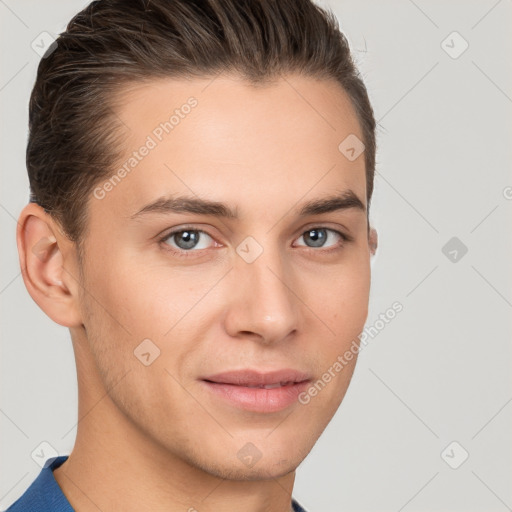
[{"x": 151, "y": 437}]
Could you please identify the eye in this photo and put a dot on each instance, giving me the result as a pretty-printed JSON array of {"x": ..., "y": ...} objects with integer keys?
[
  {"x": 318, "y": 237},
  {"x": 185, "y": 239}
]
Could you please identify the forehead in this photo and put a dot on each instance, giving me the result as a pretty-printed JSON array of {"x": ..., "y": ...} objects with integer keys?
[{"x": 227, "y": 139}]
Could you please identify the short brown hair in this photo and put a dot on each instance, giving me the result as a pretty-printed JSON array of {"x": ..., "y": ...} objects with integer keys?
[{"x": 74, "y": 137}]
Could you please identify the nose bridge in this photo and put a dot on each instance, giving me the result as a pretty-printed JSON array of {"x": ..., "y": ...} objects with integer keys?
[{"x": 265, "y": 290}]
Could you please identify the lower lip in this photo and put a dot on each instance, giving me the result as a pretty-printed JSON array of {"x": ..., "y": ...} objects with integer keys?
[{"x": 258, "y": 399}]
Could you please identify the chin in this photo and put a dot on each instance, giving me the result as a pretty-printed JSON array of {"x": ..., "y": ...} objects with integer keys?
[
  {"x": 229, "y": 464},
  {"x": 259, "y": 471}
]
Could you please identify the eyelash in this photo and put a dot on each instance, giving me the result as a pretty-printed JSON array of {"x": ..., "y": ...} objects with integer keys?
[{"x": 187, "y": 254}]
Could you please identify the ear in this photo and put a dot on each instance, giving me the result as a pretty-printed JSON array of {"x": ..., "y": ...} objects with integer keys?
[
  {"x": 372, "y": 241},
  {"x": 49, "y": 265}
]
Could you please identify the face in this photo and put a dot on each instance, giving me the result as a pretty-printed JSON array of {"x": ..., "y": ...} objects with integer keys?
[{"x": 238, "y": 263}]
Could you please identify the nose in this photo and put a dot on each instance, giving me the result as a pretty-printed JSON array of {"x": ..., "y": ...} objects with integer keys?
[{"x": 265, "y": 303}]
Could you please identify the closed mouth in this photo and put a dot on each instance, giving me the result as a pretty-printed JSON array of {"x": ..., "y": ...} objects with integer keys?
[{"x": 261, "y": 386}]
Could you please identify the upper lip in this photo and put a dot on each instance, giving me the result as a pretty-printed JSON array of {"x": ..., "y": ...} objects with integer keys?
[{"x": 249, "y": 377}]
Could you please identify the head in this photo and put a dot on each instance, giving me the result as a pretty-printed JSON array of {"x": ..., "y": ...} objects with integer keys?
[{"x": 201, "y": 175}]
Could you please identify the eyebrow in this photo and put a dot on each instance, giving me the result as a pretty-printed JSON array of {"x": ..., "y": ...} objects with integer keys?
[{"x": 194, "y": 205}]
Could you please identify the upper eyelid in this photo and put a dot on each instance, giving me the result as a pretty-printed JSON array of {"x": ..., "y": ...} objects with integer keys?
[{"x": 185, "y": 228}]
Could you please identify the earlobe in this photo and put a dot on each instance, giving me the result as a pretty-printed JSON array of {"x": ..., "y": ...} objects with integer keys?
[
  {"x": 373, "y": 241},
  {"x": 42, "y": 249}
]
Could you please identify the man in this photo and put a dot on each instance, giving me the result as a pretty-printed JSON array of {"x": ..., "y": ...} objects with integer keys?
[{"x": 201, "y": 175}]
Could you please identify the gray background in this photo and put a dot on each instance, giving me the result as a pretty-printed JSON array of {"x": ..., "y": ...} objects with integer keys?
[{"x": 440, "y": 370}]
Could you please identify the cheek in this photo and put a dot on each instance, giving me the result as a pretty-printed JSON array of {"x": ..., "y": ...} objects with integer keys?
[
  {"x": 135, "y": 298},
  {"x": 343, "y": 306},
  {"x": 342, "y": 299},
  {"x": 117, "y": 303}
]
